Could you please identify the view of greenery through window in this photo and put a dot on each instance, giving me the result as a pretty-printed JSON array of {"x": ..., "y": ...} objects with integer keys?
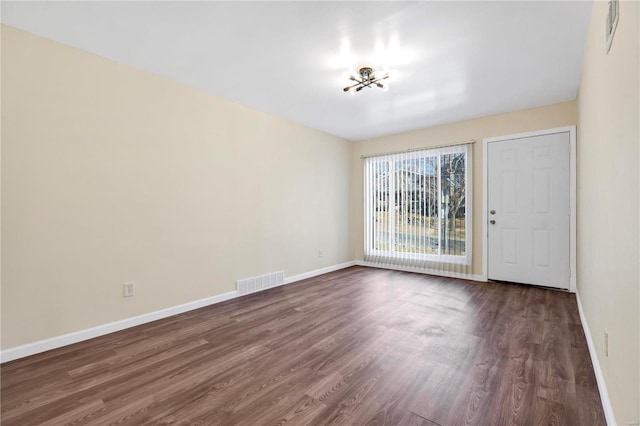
[{"x": 420, "y": 205}]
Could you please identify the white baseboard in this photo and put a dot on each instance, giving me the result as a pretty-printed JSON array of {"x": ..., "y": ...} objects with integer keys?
[
  {"x": 602, "y": 386},
  {"x": 439, "y": 273},
  {"x": 89, "y": 333},
  {"x": 317, "y": 272}
]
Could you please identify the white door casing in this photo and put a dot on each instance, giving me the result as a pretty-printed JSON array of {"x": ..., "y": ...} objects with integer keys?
[{"x": 529, "y": 197}]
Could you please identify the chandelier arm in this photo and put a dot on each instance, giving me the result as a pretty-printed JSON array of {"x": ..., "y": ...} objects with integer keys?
[
  {"x": 381, "y": 78},
  {"x": 352, "y": 86}
]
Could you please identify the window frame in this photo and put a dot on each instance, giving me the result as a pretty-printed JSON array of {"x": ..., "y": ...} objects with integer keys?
[{"x": 369, "y": 224}]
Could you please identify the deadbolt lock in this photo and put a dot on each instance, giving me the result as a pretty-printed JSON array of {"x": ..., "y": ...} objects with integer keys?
[
  {"x": 493, "y": 222},
  {"x": 492, "y": 212}
]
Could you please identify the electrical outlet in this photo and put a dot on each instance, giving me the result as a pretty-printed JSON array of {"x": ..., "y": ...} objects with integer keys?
[
  {"x": 128, "y": 289},
  {"x": 606, "y": 343},
  {"x": 320, "y": 253}
]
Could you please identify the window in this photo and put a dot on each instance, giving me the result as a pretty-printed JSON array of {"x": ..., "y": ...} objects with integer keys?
[{"x": 416, "y": 206}]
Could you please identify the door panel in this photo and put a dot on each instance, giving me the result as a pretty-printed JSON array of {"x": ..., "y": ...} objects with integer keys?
[
  {"x": 510, "y": 246},
  {"x": 528, "y": 193}
]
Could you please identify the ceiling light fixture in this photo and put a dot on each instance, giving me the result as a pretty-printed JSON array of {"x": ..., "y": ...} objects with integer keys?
[{"x": 367, "y": 78}]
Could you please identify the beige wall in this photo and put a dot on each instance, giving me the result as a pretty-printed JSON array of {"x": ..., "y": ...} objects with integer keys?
[
  {"x": 110, "y": 174},
  {"x": 504, "y": 124},
  {"x": 608, "y": 242}
]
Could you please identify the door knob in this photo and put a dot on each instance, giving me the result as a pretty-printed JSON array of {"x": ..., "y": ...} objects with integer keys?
[
  {"x": 492, "y": 212},
  {"x": 493, "y": 222}
]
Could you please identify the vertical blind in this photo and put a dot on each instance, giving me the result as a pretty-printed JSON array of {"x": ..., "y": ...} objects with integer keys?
[{"x": 417, "y": 208}]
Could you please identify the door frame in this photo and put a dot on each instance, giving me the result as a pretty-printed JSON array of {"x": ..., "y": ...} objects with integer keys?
[{"x": 572, "y": 196}]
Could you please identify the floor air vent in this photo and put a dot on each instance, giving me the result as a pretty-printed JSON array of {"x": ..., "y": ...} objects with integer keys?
[{"x": 261, "y": 282}]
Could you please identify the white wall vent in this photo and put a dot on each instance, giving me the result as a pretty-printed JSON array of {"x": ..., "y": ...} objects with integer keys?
[{"x": 261, "y": 282}]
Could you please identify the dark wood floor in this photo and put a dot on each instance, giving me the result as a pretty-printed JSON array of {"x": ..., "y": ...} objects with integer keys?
[{"x": 357, "y": 346}]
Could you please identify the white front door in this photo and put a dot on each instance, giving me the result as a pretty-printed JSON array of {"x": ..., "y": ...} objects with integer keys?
[{"x": 529, "y": 210}]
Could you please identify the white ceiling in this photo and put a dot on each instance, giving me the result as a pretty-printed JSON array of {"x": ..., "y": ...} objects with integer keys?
[{"x": 453, "y": 60}]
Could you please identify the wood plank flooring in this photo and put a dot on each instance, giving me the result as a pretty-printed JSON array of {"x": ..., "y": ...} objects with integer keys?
[{"x": 358, "y": 346}]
